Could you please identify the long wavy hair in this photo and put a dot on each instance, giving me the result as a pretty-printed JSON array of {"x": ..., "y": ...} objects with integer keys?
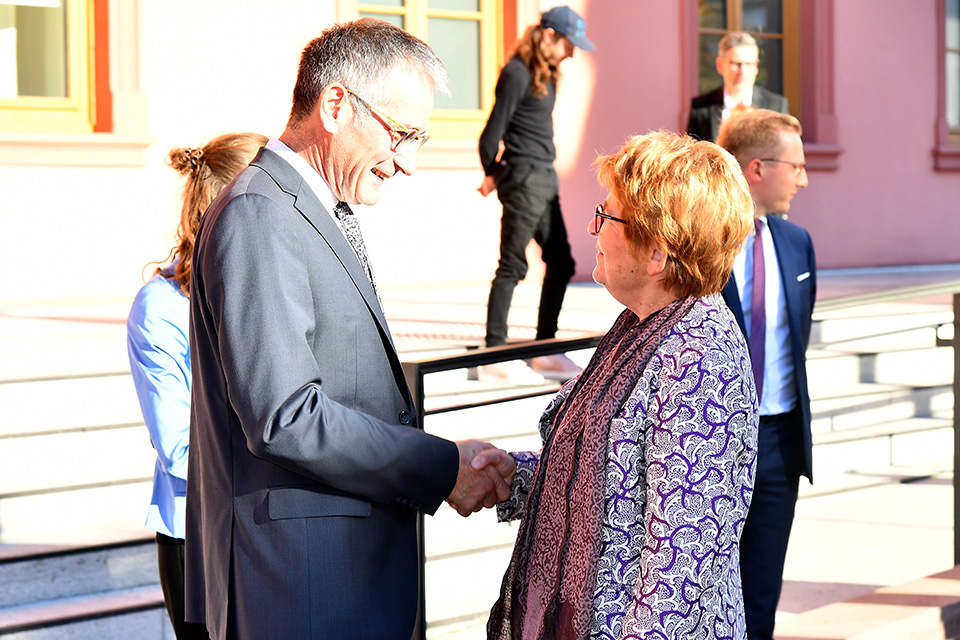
[
  {"x": 528, "y": 49},
  {"x": 208, "y": 170}
]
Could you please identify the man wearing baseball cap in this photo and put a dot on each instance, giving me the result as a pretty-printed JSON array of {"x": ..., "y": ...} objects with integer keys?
[{"x": 517, "y": 154}]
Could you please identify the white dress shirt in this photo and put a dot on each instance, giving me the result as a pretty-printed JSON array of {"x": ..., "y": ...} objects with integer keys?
[
  {"x": 779, "y": 393},
  {"x": 310, "y": 175},
  {"x": 729, "y": 103}
]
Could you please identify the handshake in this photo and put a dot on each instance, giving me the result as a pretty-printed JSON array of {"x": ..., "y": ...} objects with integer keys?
[{"x": 485, "y": 476}]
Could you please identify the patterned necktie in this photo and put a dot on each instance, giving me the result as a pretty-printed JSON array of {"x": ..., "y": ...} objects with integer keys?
[
  {"x": 348, "y": 222},
  {"x": 758, "y": 311}
]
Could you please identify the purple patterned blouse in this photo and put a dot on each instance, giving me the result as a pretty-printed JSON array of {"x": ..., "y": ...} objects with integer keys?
[{"x": 680, "y": 469}]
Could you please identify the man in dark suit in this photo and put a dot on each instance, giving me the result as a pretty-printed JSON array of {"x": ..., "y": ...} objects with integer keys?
[
  {"x": 771, "y": 292},
  {"x": 738, "y": 62},
  {"x": 306, "y": 468}
]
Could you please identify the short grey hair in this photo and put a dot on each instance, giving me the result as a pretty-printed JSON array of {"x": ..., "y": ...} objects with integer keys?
[
  {"x": 735, "y": 39},
  {"x": 360, "y": 54}
]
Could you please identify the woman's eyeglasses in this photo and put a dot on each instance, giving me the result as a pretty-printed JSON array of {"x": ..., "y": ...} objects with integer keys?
[{"x": 599, "y": 216}]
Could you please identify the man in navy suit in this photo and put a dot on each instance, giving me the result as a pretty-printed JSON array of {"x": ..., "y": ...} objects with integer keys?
[
  {"x": 771, "y": 292},
  {"x": 738, "y": 63}
]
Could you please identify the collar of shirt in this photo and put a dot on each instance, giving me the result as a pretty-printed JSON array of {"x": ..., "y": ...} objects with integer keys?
[
  {"x": 729, "y": 104},
  {"x": 310, "y": 175}
]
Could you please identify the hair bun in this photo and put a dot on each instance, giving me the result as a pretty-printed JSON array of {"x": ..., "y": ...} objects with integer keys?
[{"x": 186, "y": 160}]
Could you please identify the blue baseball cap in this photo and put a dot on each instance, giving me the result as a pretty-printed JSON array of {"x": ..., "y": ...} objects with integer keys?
[{"x": 569, "y": 24}]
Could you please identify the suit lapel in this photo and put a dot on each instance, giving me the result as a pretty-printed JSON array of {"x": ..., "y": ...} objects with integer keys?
[
  {"x": 787, "y": 263},
  {"x": 716, "y": 118},
  {"x": 305, "y": 201},
  {"x": 309, "y": 206},
  {"x": 761, "y": 98},
  {"x": 732, "y": 297}
]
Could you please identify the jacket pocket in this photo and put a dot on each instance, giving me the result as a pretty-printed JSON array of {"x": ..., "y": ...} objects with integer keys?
[{"x": 303, "y": 502}]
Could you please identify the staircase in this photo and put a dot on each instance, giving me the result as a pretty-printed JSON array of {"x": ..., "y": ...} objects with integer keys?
[
  {"x": 881, "y": 395},
  {"x": 76, "y": 468}
]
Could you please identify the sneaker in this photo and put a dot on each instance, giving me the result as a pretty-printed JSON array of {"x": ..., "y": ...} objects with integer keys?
[
  {"x": 514, "y": 371},
  {"x": 556, "y": 367}
]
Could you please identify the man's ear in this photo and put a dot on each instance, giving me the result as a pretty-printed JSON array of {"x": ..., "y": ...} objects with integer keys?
[
  {"x": 754, "y": 171},
  {"x": 333, "y": 107},
  {"x": 657, "y": 261},
  {"x": 549, "y": 35}
]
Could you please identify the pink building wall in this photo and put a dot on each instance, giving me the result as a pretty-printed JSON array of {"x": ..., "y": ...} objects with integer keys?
[{"x": 884, "y": 204}]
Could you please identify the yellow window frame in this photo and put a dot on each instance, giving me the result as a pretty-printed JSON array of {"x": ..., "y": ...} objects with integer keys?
[
  {"x": 76, "y": 113},
  {"x": 456, "y": 123}
]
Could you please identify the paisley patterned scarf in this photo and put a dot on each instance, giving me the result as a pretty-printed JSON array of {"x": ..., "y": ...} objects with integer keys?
[{"x": 547, "y": 591}]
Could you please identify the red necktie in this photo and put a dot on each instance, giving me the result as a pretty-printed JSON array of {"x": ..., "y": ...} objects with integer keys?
[{"x": 758, "y": 312}]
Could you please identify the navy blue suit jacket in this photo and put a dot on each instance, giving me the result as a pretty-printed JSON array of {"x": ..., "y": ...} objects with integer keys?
[{"x": 798, "y": 278}]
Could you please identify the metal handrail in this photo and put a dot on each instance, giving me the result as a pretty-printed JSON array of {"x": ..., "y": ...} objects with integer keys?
[{"x": 416, "y": 370}]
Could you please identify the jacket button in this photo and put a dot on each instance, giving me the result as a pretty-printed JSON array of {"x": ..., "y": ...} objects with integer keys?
[{"x": 405, "y": 417}]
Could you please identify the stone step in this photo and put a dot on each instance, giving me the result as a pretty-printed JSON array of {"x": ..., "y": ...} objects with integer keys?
[
  {"x": 903, "y": 443},
  {"x": 843, "y": 480},
  {"x": 73, "y": 341},
  {"x": 45, "y": 573},
  {"x": 877, "y": 319},
  {"x": 42, "y": 405},
  {"x": 77, "y": 458},
  {"x": 88, "y": 515},
  {"x": 906, "y": 365},
  {"x": 136, "y": 612},
  {"x": 864, "y": 405}
]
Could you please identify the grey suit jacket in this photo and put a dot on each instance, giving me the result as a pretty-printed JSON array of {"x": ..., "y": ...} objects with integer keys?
[
  {"x": 706, "y": 111},
  {"x": 306, "y": 469}
]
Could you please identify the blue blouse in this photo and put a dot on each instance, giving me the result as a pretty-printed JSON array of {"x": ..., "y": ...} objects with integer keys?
[{"x": 159, "y": 350}]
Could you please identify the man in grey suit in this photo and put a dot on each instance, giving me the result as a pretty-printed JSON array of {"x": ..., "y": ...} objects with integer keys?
[
  {"x": 738, "y": 62},
  {"x": 771, "y": 292},
  {"x": 306, "y": 469}
]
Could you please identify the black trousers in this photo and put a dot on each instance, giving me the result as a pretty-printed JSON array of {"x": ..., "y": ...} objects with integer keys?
[
  {"x": 170, "y": 565},
  {"x": 763, "y": 545},
  {"x": 530, "y": 196}
]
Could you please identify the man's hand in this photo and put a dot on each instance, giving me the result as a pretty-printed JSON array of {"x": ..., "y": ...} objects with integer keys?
[
  {"x": 481, "y": 482},
  {"x": 500, "y": 460},
  {"x": 486, "y": 187}
]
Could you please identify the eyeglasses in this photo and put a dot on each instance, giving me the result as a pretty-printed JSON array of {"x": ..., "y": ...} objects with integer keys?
[
  {"x": 736, "y": 65},
  {"x": 599, "y": 216},
  {"x": 400, "y": 135},
  {"x": 797, "y": 167}
]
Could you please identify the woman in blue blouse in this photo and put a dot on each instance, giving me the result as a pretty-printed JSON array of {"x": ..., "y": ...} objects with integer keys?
[
  {"x": 159, "y": 351},
  {"x": 632, "y": 511}
]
